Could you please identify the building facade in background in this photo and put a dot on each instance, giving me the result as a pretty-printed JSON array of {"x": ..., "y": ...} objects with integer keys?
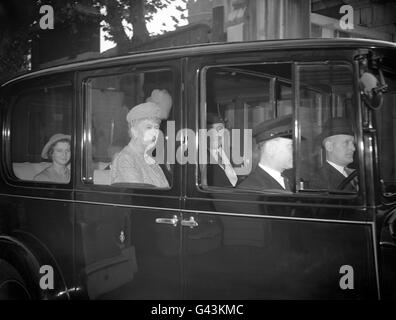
[
  {"x": 371, "y": 19},
  {"x": 244, "y": 20},
  {"x": 237, "y": 20}
]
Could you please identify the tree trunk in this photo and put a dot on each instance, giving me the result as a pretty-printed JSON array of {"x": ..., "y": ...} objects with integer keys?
[
  {"x": 137, "y": 14},
  {"x": 116, "y": 29}
]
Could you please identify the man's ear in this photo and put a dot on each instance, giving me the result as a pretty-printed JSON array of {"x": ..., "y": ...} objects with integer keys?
[{"x": 328, "y": 145}]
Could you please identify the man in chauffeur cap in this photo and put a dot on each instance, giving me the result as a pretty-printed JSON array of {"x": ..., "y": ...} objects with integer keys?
[{"x": 274, "y": 139}]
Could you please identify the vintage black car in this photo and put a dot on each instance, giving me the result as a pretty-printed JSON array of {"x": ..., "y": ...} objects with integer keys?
[{"x": 202, "y": 237}]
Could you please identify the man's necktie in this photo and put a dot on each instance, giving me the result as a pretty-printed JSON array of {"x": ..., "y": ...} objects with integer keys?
[
  {"x": 220, "y": 159},
  {"x": 228, "y": 169}
]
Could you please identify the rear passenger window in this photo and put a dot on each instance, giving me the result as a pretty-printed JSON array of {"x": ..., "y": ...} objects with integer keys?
[
  {"x": 127, "y": 117},
  {"x": 41, "y": 135}
]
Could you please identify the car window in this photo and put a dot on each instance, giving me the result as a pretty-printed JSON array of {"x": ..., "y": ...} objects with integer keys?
[
  {"x": 236, "y": 100},
  {"x": 114, "y": 152},
  {"x": 252, "y": 142},
  {"x": 386, "y": 122},
  {"x": 40, "y": 134},
  {"x": 327, "y": 132}
]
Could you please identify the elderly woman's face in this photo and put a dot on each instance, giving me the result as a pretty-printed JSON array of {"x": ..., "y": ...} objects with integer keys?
[
  {"x": 61, "y": 153},
  {"x": 146, "y": 131}
]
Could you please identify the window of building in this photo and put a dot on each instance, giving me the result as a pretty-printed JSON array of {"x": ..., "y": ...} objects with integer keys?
[
  {"x": 41, "y": 134},
  {"x": 113, "y": 154}
]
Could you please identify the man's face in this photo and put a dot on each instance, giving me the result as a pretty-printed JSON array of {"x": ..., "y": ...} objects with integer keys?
[
  {"x": 216, "y": 135},
  {"x": 340, "y": 149},
  {"x": 284, "y": 154},
  {"x": 147, "y": 131}
]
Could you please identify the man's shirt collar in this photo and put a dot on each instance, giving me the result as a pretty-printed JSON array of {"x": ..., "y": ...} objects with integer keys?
[
  {"x": 339, "y": 168},
  {"x": 274, "y": 174}
]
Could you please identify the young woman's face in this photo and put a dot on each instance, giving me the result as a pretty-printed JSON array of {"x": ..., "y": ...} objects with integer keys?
[{"x": 61, "y": 153}]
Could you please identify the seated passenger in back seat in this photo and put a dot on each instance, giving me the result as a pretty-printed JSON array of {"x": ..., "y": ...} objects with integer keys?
[
  {"x": 133, "y": 164},
  {"x": 57, "y": 149},
  {"x": 220, "y": 172}
]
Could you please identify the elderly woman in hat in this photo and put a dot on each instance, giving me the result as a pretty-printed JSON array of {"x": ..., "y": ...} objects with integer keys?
[
  {"x": 57, "y": 149},
  {"x": 133, "y": 164}
]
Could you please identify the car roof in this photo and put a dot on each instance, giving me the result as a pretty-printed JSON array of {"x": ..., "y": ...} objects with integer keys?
[{"x": 209, "y": 48}]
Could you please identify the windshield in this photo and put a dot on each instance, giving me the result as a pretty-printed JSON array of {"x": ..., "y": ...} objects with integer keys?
[{"x": 386, "y": 124}]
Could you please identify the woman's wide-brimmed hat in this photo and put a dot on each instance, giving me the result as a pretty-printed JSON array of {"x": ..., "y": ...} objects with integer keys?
[{"x": 55, "y": 138}]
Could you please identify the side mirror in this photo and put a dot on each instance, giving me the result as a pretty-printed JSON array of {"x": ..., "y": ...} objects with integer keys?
[{"x": 371, "y": 90}]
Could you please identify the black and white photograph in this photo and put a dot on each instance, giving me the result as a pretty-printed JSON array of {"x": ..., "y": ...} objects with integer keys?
[{"x": 198, "y": 155}]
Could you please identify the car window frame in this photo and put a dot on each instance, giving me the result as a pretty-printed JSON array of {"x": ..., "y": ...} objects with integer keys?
[
  {"x": 51, "y": 81},
  {"x": 202, "y": 112},
  {"x": 171, "y": 65}
]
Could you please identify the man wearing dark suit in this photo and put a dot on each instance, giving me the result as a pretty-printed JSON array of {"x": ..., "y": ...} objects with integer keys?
[
  {"x": 276, "y": 155},
  {"x": 339, "y": 145},
  {"x": 220, "y": 172},
  {"x": 216, "y": 175},
  {"x": 274, "y": 140}
]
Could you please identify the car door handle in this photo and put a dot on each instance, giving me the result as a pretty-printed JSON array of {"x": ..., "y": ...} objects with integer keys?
[
  {"x": 173, "y": 221},
  {"x": 189, "y": 223}
]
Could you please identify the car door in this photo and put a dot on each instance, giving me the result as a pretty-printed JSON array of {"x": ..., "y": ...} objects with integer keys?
[
  {"x": 127, "y": 236},
  {"x": 386, "y": 208},
  {"x": 274, "y": 244},
  {"x": 37, "y": 215}
]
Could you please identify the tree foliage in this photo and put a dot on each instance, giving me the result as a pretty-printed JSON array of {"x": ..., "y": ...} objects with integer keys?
[
  {"x": 16, "y": 33},
  {"x": 135, "y": 13},
  {"x": 19, "y": 24}
]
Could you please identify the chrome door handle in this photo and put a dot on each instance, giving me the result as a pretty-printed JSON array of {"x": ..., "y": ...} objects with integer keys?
[
  {"x": 189, "y": 223},
  {"x": 173, "y": 221}
]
